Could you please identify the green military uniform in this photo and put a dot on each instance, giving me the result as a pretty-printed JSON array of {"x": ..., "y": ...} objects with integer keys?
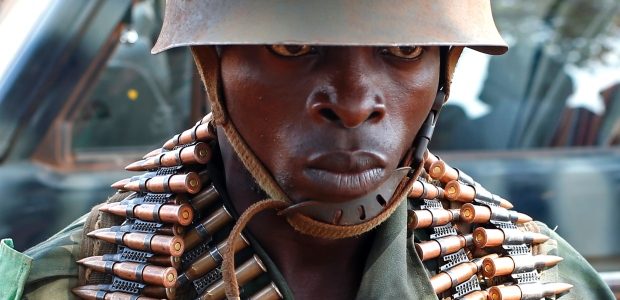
[{"x": 54, "y": 272}]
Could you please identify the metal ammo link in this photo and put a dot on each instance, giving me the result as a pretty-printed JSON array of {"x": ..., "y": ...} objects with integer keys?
[
  {"x": 472, "y": 284},
  {"x": 202, "y": 283}
]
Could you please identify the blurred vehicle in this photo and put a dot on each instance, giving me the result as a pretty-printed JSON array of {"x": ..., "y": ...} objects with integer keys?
[{"x": 81, "y": 97}]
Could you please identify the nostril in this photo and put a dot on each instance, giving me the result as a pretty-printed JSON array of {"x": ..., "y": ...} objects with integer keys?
[
  {"x": 329, "y": 114},
  {"x": 374, "y": 115}
]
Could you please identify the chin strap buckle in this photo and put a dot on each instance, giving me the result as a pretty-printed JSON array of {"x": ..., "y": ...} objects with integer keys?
[{"x": 426, "y": 132}]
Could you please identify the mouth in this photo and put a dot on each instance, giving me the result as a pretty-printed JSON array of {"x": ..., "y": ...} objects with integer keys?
[{"x": 345, "y": 174}]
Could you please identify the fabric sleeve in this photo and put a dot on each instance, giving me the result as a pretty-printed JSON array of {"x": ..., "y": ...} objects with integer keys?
[
  {"x": 14, "y": 267},
  {"x": 54, "y": 270}
]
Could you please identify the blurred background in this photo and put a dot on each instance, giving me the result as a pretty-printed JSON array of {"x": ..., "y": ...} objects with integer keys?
[{"x": 81, "y": 97}]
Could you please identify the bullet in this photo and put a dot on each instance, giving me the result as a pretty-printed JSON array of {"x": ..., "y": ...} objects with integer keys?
[
  {"x": 160, "y": 260},
  {"x": 424, "y": 190},
  {"x": 209, "y": 261},
  {"x": 99, "y": 295},
  {"x": 456, "y": 275},
  {"x": 206, "y": 228},
  {"x": 200, "y": 153},
  {"x": 476, "y": 295},
  {"x": 153, "y": 153},
  {"x": 517, "y": 264},
  {"x": 527, "y": 291},
  {"x": 202, "y": 133},
  {"x": 120, "y": 185},
  {"x": 429, "y": 159},
  {"x": 425, "y": 218},
  {"x": 161, "y": 213},
  {"x": 165, "y": 261},
  {"x": 150, "y": 274},
  {"x": 205, "y": 198},
  {"x": 154, "y": 291},
  {"x": 455, "y": 191},
  {"x": 174, "y": 229},
  {"x": 155, "y": 243},
  {"x": 244, "y": 273},
  {"x": 484, "y": 237},
  {"x": 440, "y": 170},
  {"x": 445, "y": 245},
  {"x": 270, "y": 292},
  {"x": 183, "y": 183},
  {"x": 482, "y": 214}
]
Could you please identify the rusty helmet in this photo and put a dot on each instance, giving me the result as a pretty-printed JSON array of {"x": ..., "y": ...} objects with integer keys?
[{"x": 331, "y": 22}]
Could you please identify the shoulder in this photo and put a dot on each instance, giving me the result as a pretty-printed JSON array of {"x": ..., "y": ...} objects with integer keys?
[{"x": 54, "y": 270}]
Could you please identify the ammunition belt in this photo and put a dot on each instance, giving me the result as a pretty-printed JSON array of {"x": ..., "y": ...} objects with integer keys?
[
  {"x": 471, "y": 242},
  {"x": 170, "y": 244}
]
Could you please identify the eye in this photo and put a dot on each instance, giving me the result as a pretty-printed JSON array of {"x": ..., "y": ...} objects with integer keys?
[
  {"x": 405, "y": 52},
  {"x": 292, "y": 50}
]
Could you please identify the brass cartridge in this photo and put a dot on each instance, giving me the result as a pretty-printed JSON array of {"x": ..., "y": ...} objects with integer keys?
[
  {"x": 202, "y": 132},
  {"x": 156, "y": 275},
  {"x": 206, "y": 228},
  {"x": 183, "y": 183},
  {"x": 439, "y": 170},
  {"x": 200, "y": 153},
  {"x": 429, "y": 159},
  {"x": 484, "y": 237},
  {"x": 270, "y": 292},
  {"x": 456, "y": 275},
  {"x": 156, "y": 243},
  {"x": 517, "y": 264},
  {"x": 164, "y": 213},
  {"x": 205, "y": 198},
  {"x": 244, "y": 273},
  {"x": 482, "y": 214},
  {"x": 425, "y": 218},
  {"x": 165, "y": 260},
  {"x": 157, "y": 292},
  {"x": 456, "y": 191},
  {"x": 424, "y": 190},
  {"x": 445, "y": 245},
  {"x": 154, "y": 152},
  {"x": 476, "y": 295},
  {"x": 527, "y": 291},
  {"x": 209, "y": 261},
  {"x": 101, "y": 294}
]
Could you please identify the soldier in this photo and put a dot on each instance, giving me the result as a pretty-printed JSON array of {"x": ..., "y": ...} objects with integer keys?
[{"x": 322, "y": 113}]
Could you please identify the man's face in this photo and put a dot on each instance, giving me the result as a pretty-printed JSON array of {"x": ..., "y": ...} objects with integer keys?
[{"x": 329, "y": 123}]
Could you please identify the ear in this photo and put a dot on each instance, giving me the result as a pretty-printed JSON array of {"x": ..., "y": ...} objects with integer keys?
[{"x": 208, "y": 64}]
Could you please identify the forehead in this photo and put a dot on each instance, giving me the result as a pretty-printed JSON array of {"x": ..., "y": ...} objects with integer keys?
[{"x": 330, "y": 22}]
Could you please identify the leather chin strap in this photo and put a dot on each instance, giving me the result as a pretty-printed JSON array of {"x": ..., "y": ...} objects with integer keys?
[{"x": 208, "y": 64}]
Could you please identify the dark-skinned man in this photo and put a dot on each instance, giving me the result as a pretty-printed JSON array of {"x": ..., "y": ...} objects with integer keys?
[{"x": 314, "y": 165}]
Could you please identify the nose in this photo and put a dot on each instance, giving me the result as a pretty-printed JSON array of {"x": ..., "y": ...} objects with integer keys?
[{"x": 350, "y": 98}]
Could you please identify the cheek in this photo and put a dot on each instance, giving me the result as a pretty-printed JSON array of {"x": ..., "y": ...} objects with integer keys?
[{"x": 260, "y": 102}]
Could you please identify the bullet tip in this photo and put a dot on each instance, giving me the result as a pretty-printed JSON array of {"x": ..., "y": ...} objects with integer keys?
[
  {"x": 134, "y": 166},
  {"x": 119, "y": 185}
]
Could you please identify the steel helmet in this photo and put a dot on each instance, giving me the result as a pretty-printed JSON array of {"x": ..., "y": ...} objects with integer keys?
[{"x": 331, "y": 22}]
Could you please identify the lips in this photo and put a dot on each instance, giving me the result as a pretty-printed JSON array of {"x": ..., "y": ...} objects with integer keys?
[{"x": 345, "y": 174}]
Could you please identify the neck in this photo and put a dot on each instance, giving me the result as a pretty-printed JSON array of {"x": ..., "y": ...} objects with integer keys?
[{"x": 313, "y": 267}]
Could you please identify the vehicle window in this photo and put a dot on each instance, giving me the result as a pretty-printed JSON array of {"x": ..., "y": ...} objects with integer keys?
[
  {"x": 558, "y": 86},
  {"x": 139, "y": 98}
]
